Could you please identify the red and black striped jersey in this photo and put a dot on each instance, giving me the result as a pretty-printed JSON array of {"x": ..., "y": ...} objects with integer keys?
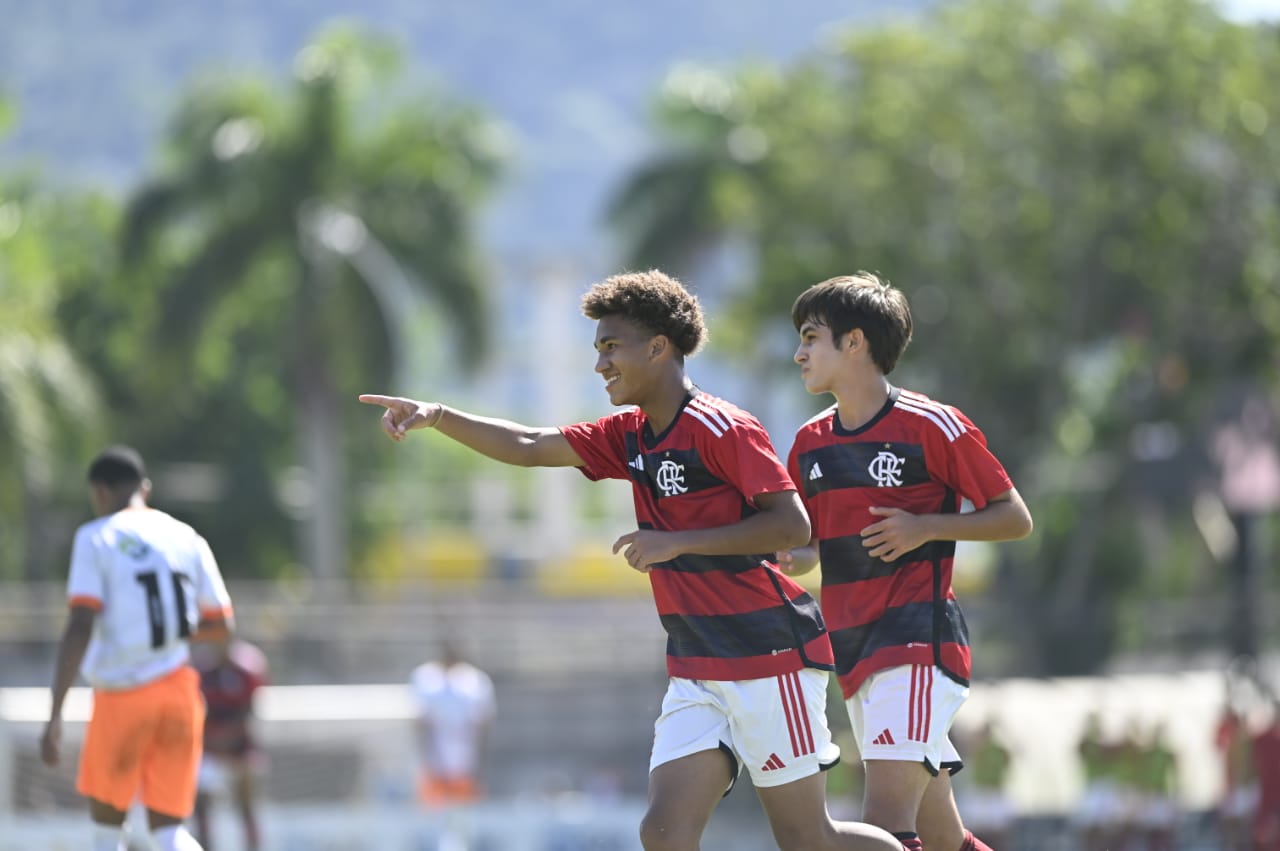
[
  {"x": 733, "y": 617},
  {"x": 917, "y": 455},
  {"x": 229, "y": 685}
]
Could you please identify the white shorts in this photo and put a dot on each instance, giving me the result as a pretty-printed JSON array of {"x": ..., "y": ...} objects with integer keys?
[
  {"x": 905, "y": 713},
  {"x": 776, "y": 726}
]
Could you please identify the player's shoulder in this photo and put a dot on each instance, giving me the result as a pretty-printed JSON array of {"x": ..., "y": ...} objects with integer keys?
[
  {"x": 717, "y": 417},
  {"x": 92, "y": 530},
  {"x": 427, "y": 675},
  {"x": 818, "y": 421},
  {"x": 932, "y": 415}
]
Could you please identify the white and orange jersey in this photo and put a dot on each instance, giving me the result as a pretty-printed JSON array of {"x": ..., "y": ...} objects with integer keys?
[
  {"x": 456, "y": 702},
  {"x": 151, "y": 577}
]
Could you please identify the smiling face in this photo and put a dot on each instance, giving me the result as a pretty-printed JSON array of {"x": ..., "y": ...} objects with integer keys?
[
  {"x": 821, "y": 361},
  {"x": 626, "y": 360}
]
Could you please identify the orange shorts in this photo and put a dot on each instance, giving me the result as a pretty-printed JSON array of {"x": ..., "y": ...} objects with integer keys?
[
  {"x": 145, "y": 743},
  {"x": 444, "y": 791}
]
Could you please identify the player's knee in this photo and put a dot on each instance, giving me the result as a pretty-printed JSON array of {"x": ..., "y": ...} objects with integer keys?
[
  {"x": 943, "y": 837},
  {"x": 796, "y": 836},
  {"x": 661, "y": 834}
]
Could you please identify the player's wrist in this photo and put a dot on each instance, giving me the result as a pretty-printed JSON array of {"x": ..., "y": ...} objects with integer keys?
[{"x": 434, "y": 417}]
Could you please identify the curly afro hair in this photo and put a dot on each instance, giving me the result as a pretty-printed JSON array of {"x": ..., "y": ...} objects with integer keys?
[{"x": 654, "y": 300}]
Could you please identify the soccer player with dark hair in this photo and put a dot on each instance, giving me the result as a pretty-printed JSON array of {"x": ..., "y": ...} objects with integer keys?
[
  {"x": 883, "y": 473},
  {"x": 747, "y": 652},
  {"x": 140, "y": 587}
]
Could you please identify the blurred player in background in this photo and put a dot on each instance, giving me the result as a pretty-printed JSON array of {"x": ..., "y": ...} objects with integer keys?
[
  {"x": 456, "y": 707},
  {"x": 747, "y": 652},
  {"x": 983, "y": 791},
  {"x": 1159, "y": 812},
  {"x": 141, "y": 584},
  {"x": 1101, "y": 814},
  {"x": 1266, "y": 761},
  {"x": 1233, "y": 740},
  {"x": 231, "y": 672},
  {"x": 883, "y": 473}
]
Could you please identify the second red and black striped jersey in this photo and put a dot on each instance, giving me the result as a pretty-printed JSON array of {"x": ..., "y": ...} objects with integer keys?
[
  {"x": 917, "y": 455},
  {"x": 729, "y": 617}
]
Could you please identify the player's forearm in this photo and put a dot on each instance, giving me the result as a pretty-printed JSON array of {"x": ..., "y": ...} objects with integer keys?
[
  {"x": 501, "y": 440},
  {"x": 766, "y": 532},
  {"x": 71, "y": 650},
  {"x": 1006, "y": 520}
]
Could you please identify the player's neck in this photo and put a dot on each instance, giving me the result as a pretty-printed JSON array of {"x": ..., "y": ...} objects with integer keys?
[
  {"x": 667, "y": 399},
  {"x": 860, "y": 398}
]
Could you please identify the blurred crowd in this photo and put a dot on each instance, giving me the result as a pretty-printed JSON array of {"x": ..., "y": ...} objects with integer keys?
[{"x": 1131, "y": 799}]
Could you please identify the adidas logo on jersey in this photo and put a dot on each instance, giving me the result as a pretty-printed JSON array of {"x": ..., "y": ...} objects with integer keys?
[
  {"x": 815, "y": 472},
  {"x": 773, "y": 764},
  {"x": 636, "y": 463},
  {"x": 885, "y": 738}
]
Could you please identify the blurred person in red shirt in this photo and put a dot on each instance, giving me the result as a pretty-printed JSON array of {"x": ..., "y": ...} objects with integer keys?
[
  {"x": 231, "y": 672},
  {"x": 1266, "y": 762},
  {"x": 1234, "y": 743}
]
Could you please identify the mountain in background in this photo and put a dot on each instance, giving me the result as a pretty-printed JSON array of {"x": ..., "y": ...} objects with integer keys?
[{"x": 95, "y": 81}]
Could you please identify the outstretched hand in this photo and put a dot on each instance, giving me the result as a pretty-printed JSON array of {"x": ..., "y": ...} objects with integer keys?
[{"x": 403, "y": 415}]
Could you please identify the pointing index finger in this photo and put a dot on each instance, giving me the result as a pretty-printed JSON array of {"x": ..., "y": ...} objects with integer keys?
[{"x": 375, "y": 399}]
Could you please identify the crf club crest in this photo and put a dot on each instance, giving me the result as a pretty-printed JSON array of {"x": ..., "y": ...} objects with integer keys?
[
  {"x": 886, "y": 469},
  {"x": 670, "y": 478}
]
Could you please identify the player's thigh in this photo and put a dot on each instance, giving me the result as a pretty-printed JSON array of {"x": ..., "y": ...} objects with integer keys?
[
  {"x": 172, "y": 758},
  {"x": 245, "y": 783},
  {"x": 110, "y": 767},
  {"x": 798, "y": 816},
  {"x": 894, "y": 792},
  {"x": 938, "y": 822},
  {"x": 683, "y": 793}
]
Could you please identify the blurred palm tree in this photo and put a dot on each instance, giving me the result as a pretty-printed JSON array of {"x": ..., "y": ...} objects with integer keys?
[
  {"x": 48, "y": 398},
  {"x": 264, "y": 198}
]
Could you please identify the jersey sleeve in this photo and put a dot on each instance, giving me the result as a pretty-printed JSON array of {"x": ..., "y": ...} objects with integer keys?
[
  {"x": 86, "y": 586},
  {"x": 966, "y": 465},
  {"x": 211, "y": 590},
  {"x": 793, "y": 471},
  {"x": 744, "y": 457},
  {"x": 601, "y": 445}
]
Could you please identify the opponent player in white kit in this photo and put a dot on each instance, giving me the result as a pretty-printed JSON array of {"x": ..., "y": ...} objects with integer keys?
[
  {"x": 141, "y": 584},
  {"x": 455, "y": 705}
]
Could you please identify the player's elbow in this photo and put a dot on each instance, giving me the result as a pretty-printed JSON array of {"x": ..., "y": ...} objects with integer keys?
[{"x": 795, "y": 530}]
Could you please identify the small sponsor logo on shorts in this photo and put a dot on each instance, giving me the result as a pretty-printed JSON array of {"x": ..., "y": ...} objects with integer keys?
[
  {"x": 773, "y": 764},
  {"x": 885, "y": 738}
]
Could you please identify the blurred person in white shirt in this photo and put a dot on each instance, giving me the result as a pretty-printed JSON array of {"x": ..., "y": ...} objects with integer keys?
[{"x": 455, "y": 710}]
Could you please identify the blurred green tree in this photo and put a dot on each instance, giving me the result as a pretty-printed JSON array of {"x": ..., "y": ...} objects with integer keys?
[
  {"x": 49, "y": 401},
  {"x": 282, "y": 238},
  {"x": 1080, "y": 198}
]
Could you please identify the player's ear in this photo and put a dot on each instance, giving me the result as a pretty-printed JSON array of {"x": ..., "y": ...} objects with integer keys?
[{"x": 657, "y": 346}]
